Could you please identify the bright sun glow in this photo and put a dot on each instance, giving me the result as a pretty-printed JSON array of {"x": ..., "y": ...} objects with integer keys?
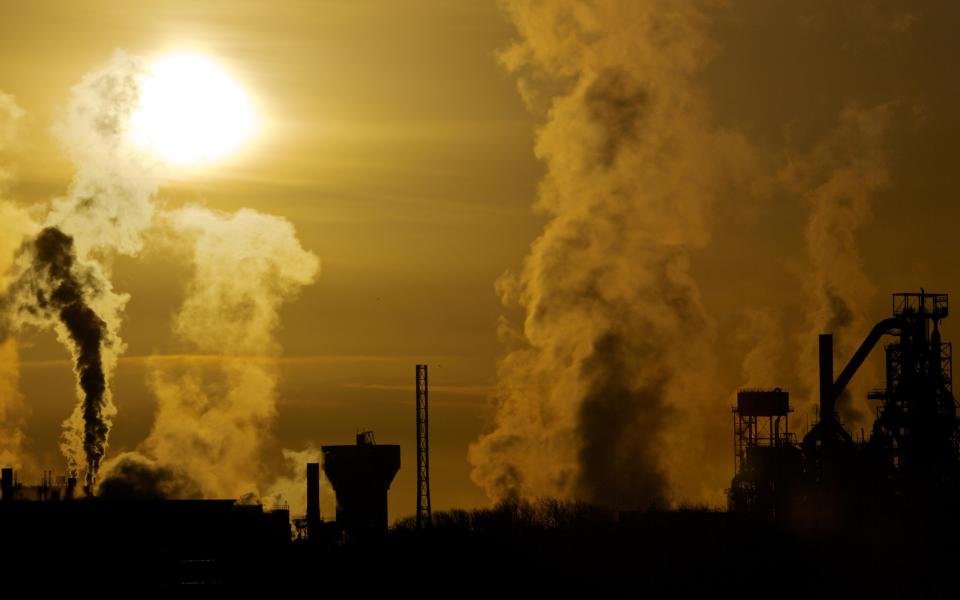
[{"x": 190, "y": 111}]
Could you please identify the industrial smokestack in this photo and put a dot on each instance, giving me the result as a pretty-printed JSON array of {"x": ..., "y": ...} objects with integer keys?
[
  {"x": 6, "y": 484},
  {"x": 826, "y": 378},
  {"x": 313, "y": 498}
]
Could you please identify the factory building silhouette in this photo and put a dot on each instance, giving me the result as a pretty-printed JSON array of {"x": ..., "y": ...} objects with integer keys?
[
  {"x": 785, "y": 488},
  {"x": 909, "y": 461},
  {"x": 192, "y": 542}
]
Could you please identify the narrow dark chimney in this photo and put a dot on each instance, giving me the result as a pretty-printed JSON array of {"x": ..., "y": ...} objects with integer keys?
[
  {"x": 826, "y": 378},
  {"x": 313, "y": 501},
  {"x": 6, "y": 484}
]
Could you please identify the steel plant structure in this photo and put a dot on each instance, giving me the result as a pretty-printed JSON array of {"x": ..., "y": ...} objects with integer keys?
[{"x": 911, "y": 459}]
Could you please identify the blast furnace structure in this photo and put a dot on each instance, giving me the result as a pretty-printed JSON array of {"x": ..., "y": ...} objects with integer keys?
[{"x": 909, "y": 462}]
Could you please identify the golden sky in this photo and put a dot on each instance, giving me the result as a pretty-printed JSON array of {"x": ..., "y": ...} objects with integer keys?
[{"x": 821, "y": 137}]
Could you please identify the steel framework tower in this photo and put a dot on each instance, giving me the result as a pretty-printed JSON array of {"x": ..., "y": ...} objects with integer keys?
[{"x": 423, "y": 452}]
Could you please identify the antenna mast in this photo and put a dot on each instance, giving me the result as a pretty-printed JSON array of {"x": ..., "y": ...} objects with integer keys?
[{"x": 423, "y": 452}]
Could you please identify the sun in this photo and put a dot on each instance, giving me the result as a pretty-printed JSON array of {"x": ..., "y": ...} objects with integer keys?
[{"x": 190, "y": 111}]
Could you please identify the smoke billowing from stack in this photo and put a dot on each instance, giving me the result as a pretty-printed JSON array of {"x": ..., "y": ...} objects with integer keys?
[
  {"x": 607, "y": 393},
  {"x": 60, "y": 278},
  {"x": 133, "y": 477},
  {"x": 245, "y": 266},
  {"x": 12, "y": 405},
  {"x": 10, "y": 115},
  {"x": 210, "y": 428},
  {"x": 290, "y": 489},
  {"x": 17, "y": 226},
  {"x": 56, "y": 287},
  {"x": 109, "y": 204},
  {"x": 839, "y": 180},
  {"x": 763, "y": 361},
  {"x": 53, "y": 289}
]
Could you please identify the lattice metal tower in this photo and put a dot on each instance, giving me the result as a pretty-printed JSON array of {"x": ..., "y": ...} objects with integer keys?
[{"x": 423, "y": 452}]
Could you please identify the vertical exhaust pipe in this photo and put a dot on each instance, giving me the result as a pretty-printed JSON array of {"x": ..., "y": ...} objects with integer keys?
[
  {"x": 826, "y": 378},
  {"x": 313, "y": 499},
  {"x": 6, "y": 484}
]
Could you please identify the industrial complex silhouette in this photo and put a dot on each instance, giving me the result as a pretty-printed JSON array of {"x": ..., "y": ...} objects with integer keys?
[
  {"x": 828, "y": 506},
  {"x": 911, "y": 458}
]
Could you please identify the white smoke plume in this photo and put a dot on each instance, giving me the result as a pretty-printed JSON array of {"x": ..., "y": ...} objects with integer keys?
[
  {"x": 609, "y": 394},
  {"x": 17, "y": 222},
  {"x": 209, "y": 430},
  {"x": 12, "y": 406},
  {"x": 763, "y": 362},
  {"x": 17, "y": 225},
  {"x": 107, "y": 210},
  {"x": 109, "y": 204},
  {"x": 291, "y": 490},
  {"x": 214, "y": 426},
  {"x": 10, "y": 117},
  {"x": 839, "y": 181},
  {"x": 61, "y": 279}
]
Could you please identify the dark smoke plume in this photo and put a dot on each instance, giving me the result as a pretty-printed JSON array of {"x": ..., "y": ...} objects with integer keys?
[
  {"x": 134, "y": 477},
  {"x": 617, "y": 437},
  {"x": 56, "y": 289}
]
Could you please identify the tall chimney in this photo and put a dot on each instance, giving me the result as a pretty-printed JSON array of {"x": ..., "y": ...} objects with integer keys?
[
  {"x": 6, "y": 483},
  {"x": 826, "y": 378},
  {"x": 313, "y": 498}
]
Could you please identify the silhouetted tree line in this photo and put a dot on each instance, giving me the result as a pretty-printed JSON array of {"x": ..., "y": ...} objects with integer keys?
[
  {"x": 518, "y": 516},
  {"x": 557, "y": 544}
]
